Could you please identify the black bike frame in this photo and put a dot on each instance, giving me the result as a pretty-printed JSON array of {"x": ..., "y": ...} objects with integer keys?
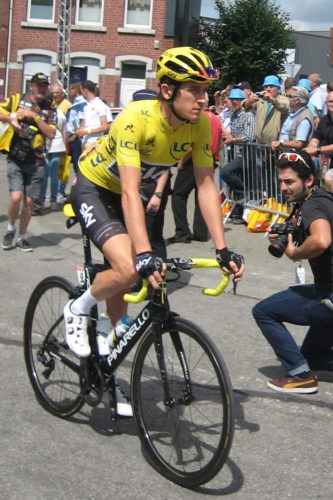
[{"x": 156, "y": 312}]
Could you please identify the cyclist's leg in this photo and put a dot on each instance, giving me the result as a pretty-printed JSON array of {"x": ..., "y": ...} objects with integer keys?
[
  {"x": 113, "y": 283},
  {"x": 100, "y": 215}
]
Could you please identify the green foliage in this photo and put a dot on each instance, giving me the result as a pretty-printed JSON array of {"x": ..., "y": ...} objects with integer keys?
[{"x": 248, "y": 41}]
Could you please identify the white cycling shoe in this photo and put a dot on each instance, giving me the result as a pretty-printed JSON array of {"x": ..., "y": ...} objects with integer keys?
[
  {"x": 124, "y": 407},
  {"x": 76, "y": 332}
]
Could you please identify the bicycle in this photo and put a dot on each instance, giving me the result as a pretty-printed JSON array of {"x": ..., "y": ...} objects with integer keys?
[{"x": 181, "y": 392}]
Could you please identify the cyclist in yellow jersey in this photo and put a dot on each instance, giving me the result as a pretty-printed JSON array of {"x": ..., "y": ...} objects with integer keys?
[{"x": 145, "y": 141}]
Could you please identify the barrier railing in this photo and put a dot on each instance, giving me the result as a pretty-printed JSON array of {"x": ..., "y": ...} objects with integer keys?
[{"x": 260, "y": 181}]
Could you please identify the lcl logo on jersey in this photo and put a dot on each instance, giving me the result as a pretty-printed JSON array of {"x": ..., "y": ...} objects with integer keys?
[
  {"x": 207, "y": 150},
  {"x": 129, "y": 145},
  {"x": 177, "y": 150}
]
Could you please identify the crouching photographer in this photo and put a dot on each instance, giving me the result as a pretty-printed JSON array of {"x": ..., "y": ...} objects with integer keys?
[{"x": 306, "y": 305}]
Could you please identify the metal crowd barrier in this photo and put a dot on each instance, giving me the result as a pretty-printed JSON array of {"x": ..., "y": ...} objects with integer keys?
[{"x": 260, "y": 180}]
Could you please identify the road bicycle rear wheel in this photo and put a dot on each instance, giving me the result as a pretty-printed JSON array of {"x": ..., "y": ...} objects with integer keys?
[
  {"x": 54, "y": 371},
  {"x": 187, "y": 437}
]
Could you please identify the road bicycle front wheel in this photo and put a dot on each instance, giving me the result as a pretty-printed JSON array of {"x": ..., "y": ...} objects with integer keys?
[
  {"x": 54, "y": 371},
  {"x": 183, "y": 406}
]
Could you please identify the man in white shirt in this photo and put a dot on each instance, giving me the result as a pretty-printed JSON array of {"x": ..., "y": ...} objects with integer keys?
[
  {"x": 317, "y": 95},
  {"x": 96, "y": 118}
]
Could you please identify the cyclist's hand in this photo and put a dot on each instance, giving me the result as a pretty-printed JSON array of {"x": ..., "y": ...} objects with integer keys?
[
  {"x": 151, "y": 268},
  {"x": 231, "y": 262}
]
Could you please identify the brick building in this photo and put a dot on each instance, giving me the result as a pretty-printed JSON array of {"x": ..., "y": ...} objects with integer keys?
[{"x": 114, "y": 43}]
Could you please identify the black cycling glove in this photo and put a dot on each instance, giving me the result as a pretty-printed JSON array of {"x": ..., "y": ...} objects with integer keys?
[
  {"x": 147, "y": 263},
  {"x": 225, "y": 255}
]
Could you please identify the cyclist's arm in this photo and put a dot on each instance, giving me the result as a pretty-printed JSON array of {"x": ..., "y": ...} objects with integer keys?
[{"x": 130, "y": 178}]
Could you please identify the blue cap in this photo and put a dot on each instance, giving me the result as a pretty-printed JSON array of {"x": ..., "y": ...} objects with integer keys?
[
  {"x": 304, "y": 82},
  {"x": 271, "y": 80},
  {"x": 236, "y": 94},
  {"x": 143, "y": 94}
]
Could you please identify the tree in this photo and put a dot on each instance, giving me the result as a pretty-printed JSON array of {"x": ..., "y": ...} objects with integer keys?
[{"x": 248, "y": 41}]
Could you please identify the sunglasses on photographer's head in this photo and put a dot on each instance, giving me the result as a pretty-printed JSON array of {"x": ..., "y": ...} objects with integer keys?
[{"x": 293, "y": 157}]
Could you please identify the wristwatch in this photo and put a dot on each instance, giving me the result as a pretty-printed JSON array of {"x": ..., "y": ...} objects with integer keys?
[
  {"x": 158, "y": 194},
  {"x": 318, "y": 150}
]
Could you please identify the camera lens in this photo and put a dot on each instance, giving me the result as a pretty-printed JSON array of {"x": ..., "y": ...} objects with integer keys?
[{"x": 278, "y": 247}]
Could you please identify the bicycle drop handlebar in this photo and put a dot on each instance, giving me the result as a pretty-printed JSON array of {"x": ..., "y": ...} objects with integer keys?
[{"x": 176, "y": 264}]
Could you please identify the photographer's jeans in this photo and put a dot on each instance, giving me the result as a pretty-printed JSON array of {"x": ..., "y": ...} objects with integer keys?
[
  {"x": 232, "y": 174},
  {"x": 298, "y": 305}
]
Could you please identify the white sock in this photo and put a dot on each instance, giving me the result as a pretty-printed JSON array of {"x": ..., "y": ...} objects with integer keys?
[
  {"x": 11, "y": 227},
  {"x": 21, "y": 237},
  {"x": 84, "y": 303}
]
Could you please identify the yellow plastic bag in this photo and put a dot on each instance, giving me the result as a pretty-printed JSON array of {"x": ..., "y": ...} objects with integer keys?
[
  {"x": 226, "y": 208},
  {"x": 64, "y": 168},
  {"x": 258, "y": 221}
]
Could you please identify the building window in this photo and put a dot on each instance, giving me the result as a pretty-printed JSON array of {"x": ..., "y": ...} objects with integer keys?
[
  {"x": 41, "y": 9},
  {"x": 138, "y": 13},
  {"x": 35, "y": 63},
  {"x": 133, "y": 70},
  {"x": 89, "y": 11}
]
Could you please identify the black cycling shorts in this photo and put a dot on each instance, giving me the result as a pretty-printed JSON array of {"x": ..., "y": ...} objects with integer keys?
[{"x": 98, "y": 210}]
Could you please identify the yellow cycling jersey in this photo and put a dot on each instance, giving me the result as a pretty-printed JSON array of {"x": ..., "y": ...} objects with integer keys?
[{"x": 140, "y": 137}]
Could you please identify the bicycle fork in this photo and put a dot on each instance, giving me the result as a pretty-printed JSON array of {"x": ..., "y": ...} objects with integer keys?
[{"x": 169, "y": 400}]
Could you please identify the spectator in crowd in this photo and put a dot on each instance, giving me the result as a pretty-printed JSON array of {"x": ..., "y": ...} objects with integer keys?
[
  {"x": 96, "y": 117},
  {"x": 222, "y": 106},
  {"x": 60, "y": 102},
  {"x": 56, "y": 149},
  {"x": 305, "y": 83},
  {"x": 33, "y": 122},
  {"x": 184, "y": 185},
  {"x": 317, "y": 95},
  {"x": 242, "y": 132},
  {"x": 322, "y": 140},
  {"x": 298, "y": 127},
  {"x": 328, "y": 180},
  {"x": 59, "y": 99},
  {"x": 271, "y": 110},
  {"x": 307, "y": 305},
  {"x": 246, "y": 87},
  {"x": 289, "y": 82},
  {"x": 73, "y": 122},
  {"x": 329, "y": 86}
]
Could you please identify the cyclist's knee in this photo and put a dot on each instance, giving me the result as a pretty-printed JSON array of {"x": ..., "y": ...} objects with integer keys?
[{"x": 125, "y": 273}]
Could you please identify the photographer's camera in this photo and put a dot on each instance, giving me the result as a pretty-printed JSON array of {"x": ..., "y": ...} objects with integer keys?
[{"x": 278, "y": 246}]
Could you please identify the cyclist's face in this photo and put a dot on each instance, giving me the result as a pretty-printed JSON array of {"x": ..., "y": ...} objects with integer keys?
[{"x": 191, "y": 100}]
